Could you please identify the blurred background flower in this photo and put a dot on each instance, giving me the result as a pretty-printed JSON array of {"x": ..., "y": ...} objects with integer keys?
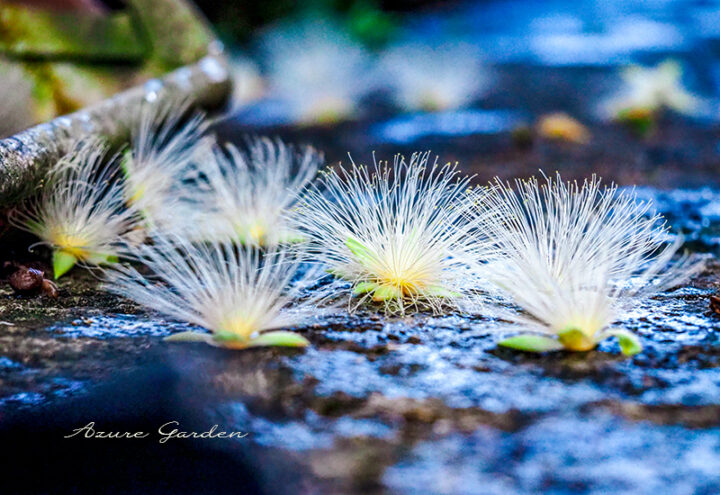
[
  {"x": 354, "y": 75},
  {"x": 325, "y": 61}
]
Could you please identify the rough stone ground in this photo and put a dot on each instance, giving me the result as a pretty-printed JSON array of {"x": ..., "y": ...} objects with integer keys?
[{"x": 420, "y": 405}]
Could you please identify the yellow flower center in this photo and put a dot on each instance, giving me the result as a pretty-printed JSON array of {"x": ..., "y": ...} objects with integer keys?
[
  {"x": 138, "y": 192},
  {"x": 408, "y": 286},
  {"x": 579, "y": 333},
  {"x": 241, "y": 327},
  {"x": 71, "y": 244},
  {"x": 256, "y": 232},
  {"x": 576, "y": 340},
  {"x": 637, "y": 113},
  {"x": 407, "y": 283}
]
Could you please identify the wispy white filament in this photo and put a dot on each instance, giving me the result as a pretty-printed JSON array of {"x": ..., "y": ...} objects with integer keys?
[
  {"x": 576, "y": 256},
  {"x": 316, "y": 69},
  {"x": 400, "y": 232},
  {"x": 218, "y": 286},
  {"x": 250, "y": 192},
  {"x": 81, "y": 208},
  {"x": 164, "y": 148}
]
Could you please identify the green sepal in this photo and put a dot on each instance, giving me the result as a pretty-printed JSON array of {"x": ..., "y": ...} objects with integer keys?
[
  {"x": 358, "y": 249},
  {"x": 279, "y": 338},
  {"x": 438, "y": 291},
  {"x": 226, "y": 337},
  {"x": 532, "y": 343},
  {"x": 386, "y": 292},
  {"x": 291, "y": 238},
  {"x": 189, "y": 336},
  {"x": 364, "y": 288},
  {"x": 62, "y": 262},
  {"x": 629, "y": 342},
  {"x": 102, "y": 259},
  {"x": 574, "y": 339}
]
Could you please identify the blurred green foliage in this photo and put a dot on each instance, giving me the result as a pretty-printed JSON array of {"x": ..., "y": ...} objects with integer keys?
[
  {"x": 366, "y": 20},
  {"x": 75, "y": 58}
]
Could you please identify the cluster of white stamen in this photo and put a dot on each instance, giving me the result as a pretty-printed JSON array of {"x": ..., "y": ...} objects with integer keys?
[
  {"x": 574, "y": 257},
  {"x": 400, "y": 235},
  {"x": 160, "y": 161},
  {"x": 250, "y": 193},
  {"x": 316, "y": 69},
  {"x": 434, "y": 78},
  {"x": 237, "y": 293},
  {"x": 80, "y": 211}
]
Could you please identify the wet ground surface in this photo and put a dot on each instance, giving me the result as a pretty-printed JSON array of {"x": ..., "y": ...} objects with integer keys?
[
  {"x": 424, "y": 405},
  {"x": 377, "y": 405}
]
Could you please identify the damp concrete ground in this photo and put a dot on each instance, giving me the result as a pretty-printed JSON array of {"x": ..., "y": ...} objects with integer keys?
[
  {"x": 421, "y": 405},
  {"x": 377, "y": 405}
]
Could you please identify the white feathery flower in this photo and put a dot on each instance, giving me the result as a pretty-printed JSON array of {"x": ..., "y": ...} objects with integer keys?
[
  {"x": 16, "y": 103},
  {"x": 573, "y": 258},
  {"x": 80, "y": 212},
  {"x": 250, "y": 193},
  {"x": 160, "y": 160},
  {"x": 650, "y": 89},
  {"x": 317, "y": 70},
  {"x": 243, "y": 296},
  {"x": 400, "y": 235},
  {"x": 434, "y": 78}
]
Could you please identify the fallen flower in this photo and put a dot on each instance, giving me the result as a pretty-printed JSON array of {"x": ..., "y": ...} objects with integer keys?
[
  {"x": 399, "y": 235},
  {"x": 249, "y": 193},
  {"x": 646, "y": 91},
  {"x": 574, "y": 258},
  {"x": 244, "y": 297},
  {"x": 434, "y": 78},
  {"x": 80, "y": 212}
]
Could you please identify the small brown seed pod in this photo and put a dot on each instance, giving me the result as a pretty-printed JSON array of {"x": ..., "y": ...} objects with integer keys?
[
  {"x": 26, "y": 281},
  {"x": 49, "y": 288}
]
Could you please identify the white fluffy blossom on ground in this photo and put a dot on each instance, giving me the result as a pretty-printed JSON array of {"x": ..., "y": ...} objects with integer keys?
[
  {"x": 650, "y": 89},
  {"x": 573, "y": 258},
  {"x": 397, "y": 232},
  {"x": 80, "y": 212},
  {"x": 157, "y": 167},
  {"x": 249, "y": 193},
  {"x": 434, "y": 78},
  {"x": 316, "y": 69},
  {"x": 244, "y": 297}
]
